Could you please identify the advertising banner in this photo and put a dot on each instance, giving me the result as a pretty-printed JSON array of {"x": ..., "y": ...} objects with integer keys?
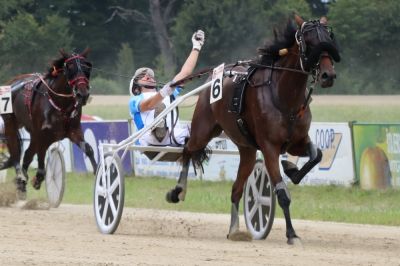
[
  {"x": 219, "y": 167},
  {"x": 377, "y": 155},
  {"x": 336, "y": 167},
  {"x": 101, "y": 132}
]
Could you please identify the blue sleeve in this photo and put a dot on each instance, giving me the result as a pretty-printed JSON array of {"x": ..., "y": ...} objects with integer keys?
[
  {"x": 134, "y": 104},
  {"x": 177, "y": 90}
]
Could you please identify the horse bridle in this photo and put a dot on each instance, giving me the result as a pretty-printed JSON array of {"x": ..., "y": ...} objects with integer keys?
[
  {"x": 299, "y": 36},
  {"x": 72, "y": 82},
  {"x": 80, "y": 77}
]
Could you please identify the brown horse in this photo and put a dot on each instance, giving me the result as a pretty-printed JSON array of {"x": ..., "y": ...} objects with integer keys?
[
  {"x": 49, "y": 107},
  {"x": 275, "y": 117}
]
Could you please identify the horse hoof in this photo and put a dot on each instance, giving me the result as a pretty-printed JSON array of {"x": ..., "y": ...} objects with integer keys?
[
  {"x": 36, "y": 182},
  {"x": 240, "y": 236},
  {"x": 36, "y": 186},
  {"x": 295, "y": 241},
  {"x": 21, "y": 189},
  {"x": 289, "y": 168},
  {"x": 173, "y": 195}
]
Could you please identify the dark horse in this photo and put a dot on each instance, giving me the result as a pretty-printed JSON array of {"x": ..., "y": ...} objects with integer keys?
[
  {"x": 276, "y": 116},
  {"x": 50, "y": 108}
]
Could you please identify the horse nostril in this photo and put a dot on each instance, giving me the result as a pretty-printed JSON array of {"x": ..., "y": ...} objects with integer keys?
[{"x": 328, "y": 76}]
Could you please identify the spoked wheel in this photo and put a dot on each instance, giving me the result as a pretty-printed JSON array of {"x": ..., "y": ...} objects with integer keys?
[
  {"x": 259, "y": 202},
  {"x": 55, "y": 177},
  {"x": 109, "y": 189}
]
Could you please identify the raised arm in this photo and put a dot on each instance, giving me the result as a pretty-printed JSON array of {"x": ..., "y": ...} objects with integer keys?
[{"x": 190, "y": 63}]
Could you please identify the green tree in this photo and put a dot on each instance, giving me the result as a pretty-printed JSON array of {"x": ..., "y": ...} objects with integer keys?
[
  {"x": 27, "y": 46},
  {"x": 234, "y": 28},
  {"x": 10, "y": 7},
  {"x": 125, "y": 66},
  {"x": 368, "y": 34}
]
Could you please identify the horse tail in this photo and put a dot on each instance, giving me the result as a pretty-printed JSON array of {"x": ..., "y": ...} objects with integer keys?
[{"x": 200, "y": 156}]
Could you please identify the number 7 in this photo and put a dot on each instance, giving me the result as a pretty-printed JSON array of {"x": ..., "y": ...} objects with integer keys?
[{"x": 7, "y": 100}]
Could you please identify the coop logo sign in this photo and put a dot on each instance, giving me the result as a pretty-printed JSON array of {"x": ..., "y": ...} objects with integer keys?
[
  {"x": 336, "y": 166},
  {"x": 328, "y": 141}
]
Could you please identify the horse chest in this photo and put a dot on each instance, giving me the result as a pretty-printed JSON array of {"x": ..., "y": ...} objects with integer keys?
[{"x": 294, "y": 128}]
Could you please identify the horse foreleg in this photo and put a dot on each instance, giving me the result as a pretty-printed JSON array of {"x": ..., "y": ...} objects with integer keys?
[
  {"x": 179, "y": 192},
  {"x": 41, "y": 171},
  {"x": 308, "y": 149},
  {"x": 20, "y": 182},
  {"x": 76, "y": 137},
  {"x": 87, "y": 149},
  {"x": 271, "y": 157},
  {"x": 28, "y": 157},
  {"x": 246, "y": 165},
  {"x": 284, "y": 199}
]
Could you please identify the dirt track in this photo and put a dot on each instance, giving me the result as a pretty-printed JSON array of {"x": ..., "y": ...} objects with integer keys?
[{"x": 68, "y": 236}]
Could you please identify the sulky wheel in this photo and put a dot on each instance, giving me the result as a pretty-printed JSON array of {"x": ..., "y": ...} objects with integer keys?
[
  {"x": 55, "y": 177},
  {"x": 259, "y": 202},
  {"x": 109, "y": 192}
]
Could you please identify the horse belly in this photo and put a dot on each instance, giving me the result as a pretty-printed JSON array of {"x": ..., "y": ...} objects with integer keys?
[{"x": 228, "y": 120}]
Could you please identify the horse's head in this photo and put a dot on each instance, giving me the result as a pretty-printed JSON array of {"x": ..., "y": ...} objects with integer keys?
[
  {"x": 317, "y": 49},
  {"x": 77, "y": 71}
]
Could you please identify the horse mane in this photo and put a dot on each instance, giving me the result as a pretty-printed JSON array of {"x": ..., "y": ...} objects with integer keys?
[
  {"x": 283, "y": 38},
  {"x": 57, "y": 64},
  {"x": 17, "y": 78}
]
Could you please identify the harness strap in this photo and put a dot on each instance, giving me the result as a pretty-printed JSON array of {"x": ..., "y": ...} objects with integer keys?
[
  {"x": 307, "y": 101},
  {"x": 66, "y": 110},
  {"x": 54, "y": 104},
  {"x": 272, "y": 67},
  {"x": 173, "y": 123},
  {"x": 245, "y": 132},
  {"x": 28, "y": 95},
  {"x": 52, "y": 91},
  {"x": 241, "y": 123}
]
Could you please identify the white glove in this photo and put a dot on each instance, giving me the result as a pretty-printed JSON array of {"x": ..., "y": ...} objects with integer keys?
[
  {"x": 198, "y": 39},
  {"x": 167, "y": 90}
]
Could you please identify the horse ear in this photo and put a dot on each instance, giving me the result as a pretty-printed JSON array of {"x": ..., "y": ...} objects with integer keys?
[
  {"x": 323, "y": 20},
  {"x": 63, "y": 53},
  {"x": 85, "y": 52},
  {"x": 299, "y": 20}
]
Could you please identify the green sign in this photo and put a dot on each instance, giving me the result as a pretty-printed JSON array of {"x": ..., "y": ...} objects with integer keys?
[{"x": 377, "y": 155}]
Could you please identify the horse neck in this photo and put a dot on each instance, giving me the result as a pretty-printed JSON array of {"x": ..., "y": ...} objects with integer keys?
[
  {"x": 291, "y": 86},
  {"x": 60, "y": 85}
]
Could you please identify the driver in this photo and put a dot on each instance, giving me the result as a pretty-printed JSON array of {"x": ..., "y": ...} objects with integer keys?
[{"x": 146, "y": 102}]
